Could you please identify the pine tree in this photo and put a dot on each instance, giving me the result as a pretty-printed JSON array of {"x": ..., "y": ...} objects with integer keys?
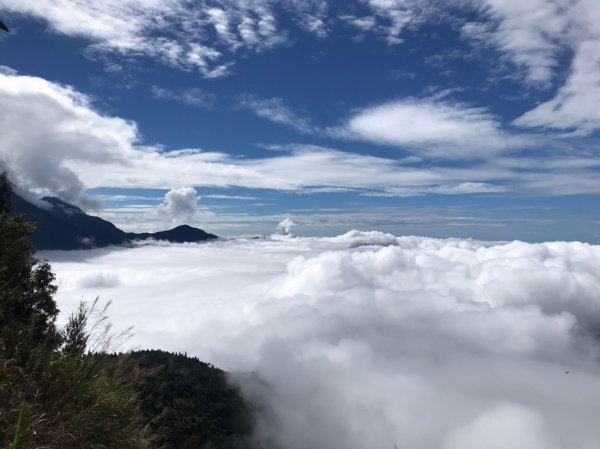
[
  {"x": 27, "y": 307},
  {"x": 53, "y": 394}
]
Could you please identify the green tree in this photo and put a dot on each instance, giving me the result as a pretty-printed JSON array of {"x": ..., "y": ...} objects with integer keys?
[
  {"x": 53, "y": 398},
  {"x": 27, "y": 307}
]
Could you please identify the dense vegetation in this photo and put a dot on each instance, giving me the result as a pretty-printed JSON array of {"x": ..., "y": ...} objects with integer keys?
[
  {"x": 55, "y": 393},
  {"x": 189, "y": 404}
]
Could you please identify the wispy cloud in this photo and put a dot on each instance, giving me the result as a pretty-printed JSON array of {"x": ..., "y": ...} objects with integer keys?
[
  {"x": 94, "y": 150},
  {"x": 535, "y": 35},
  {"x": 191, "y": 97},
  {"x": 394, "y": 17},
  {"x": 574, "y": 109},
  {"x": 433, "y": 127},
  {"x": 277, "y": 111},
  {"x": 172, "y": 31},
  {"x": 217, "y": 196},
  {"x": 450, "y": 189}
]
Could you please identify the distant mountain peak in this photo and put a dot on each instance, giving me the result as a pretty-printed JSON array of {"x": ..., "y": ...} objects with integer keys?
[{"x": 63, "y": 226}]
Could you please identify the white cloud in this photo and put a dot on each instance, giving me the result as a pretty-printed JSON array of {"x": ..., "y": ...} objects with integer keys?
[
  {"x": 192, "y": 97},
  {"x": 512, "y": 425},
  {"x": 536, "y": 35},
  {"x": 277, "y": 111},
  {"x": 98, "y": 280},
  {"x": 395, "y": 16},
  {"x": 180, "y": 204},
  {"x": 363, "y": 23},
  {"x": 530, "y": 33},
  {"x": 452, "y": 189},
  {"x": 311, "y": 15},
  {"x": 356, "y": 338},
  {"x": 5, "y": 70},
  {"x": 434, "y": 127},
  {"x": 66, "y": 145},
  {"x": 286, "y": 227},
  {"x": 44, "y": 124},
  {"x": 71, "y": 146},
  {"x": 173, "y": 31},
  {"x": 533, "y": 35},
  {"x": 574, "y": 108},
  {"x": 219, "y": 196}
]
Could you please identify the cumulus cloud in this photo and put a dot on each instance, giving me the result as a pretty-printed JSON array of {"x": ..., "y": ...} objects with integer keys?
[
  {"x": 45, "y": 125},
  {"x": 180, "y": 204},
  {"x": 286, "y": 227},
  {"x": 370, "y": 340}
]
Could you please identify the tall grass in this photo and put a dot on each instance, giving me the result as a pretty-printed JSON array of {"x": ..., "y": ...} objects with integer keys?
[{"x": 71, "y": 399}]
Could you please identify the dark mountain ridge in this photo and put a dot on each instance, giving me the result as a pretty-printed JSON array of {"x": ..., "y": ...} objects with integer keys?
[{"x": 63, "y": 226}]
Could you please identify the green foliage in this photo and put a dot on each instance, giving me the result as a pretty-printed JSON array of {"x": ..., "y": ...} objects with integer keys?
[
  {"x": 190, "y": 404},
  {"x": 51, "y": 398},
  {"x": 70, "y": 402},
  {"x": 27, "y": 307}
]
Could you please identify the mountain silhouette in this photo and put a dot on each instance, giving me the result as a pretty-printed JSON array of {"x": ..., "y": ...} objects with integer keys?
[{"x": 63, "y": 226}]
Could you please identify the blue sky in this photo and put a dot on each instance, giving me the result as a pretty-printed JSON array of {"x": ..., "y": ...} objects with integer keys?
[{"x": 464, "y": 118}]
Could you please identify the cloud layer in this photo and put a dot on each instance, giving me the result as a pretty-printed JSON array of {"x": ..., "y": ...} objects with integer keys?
[
  {"x": 66, "y": 145},
  {"x": 369, "y": 340}
]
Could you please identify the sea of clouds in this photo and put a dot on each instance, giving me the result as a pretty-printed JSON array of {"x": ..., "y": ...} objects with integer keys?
[{"x": 367, "y": 340}]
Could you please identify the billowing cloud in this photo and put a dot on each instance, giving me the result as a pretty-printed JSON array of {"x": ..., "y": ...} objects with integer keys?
[
  {"x": 45, "y": 124},
  {"x": 370, "y": 340},
  {"x": 180, "y": 204},
  {"x": 286, "y": 227}
]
